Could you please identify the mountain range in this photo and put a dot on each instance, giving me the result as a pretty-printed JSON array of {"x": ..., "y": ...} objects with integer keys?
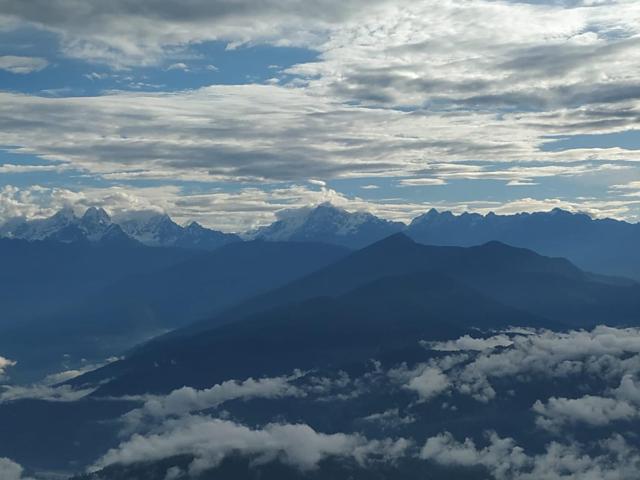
[
  {"x": 247, "y": 355},
  {"x": 605, "y": 246},
  {"x": 96, "y": 226}
]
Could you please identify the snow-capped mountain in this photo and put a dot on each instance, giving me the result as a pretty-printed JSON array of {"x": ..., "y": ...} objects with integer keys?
[
  {"x": 330, "y": 224},
  {"x": 157, "y": 229},
  {"x": 154, "y": 229},
  {"x": 96, "y": 226}
]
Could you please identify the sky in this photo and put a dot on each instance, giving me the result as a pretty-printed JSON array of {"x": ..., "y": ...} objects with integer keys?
[{"x": 227, "y": 111}]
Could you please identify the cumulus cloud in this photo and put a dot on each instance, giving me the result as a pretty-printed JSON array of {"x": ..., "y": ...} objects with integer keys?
[
  {"x": 608, "y": 354},
  {"x": 210, "y": 440},
  {"x": 590, "y": 409},
  {"x": 430, "y": 383},
  {"x": 613, "y": 459},
  {"x": 4, "y": 364},
  {"x": 22, "y": 65},
  {"x": 10, "y": 470}
]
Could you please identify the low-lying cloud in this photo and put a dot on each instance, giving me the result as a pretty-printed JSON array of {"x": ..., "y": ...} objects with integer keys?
[{"x": 211, "y": 440}]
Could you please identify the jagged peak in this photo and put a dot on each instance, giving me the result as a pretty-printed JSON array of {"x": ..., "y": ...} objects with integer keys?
[
  {"x": 67, "y": 212},
  {"x": 97, "y": 214}
]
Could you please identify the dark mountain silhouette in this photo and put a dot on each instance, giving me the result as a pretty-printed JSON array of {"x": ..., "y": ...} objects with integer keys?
[
  {"x": 376, "y": 298},
  {"x": 550, "y": 287},
  {"x": 386, "y": 314}
]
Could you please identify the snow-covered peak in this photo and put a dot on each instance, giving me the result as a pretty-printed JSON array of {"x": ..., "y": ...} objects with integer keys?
[
  {"x": 152, "y": 228},
  {"x": 42, "y": 228},
  {"x": 327, "y": 223}
]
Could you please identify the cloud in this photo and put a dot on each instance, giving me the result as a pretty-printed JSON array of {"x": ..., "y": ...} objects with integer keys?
[
  {"x": 188, "y": 400},
  {"x": 124, "y": 35},
  {"x": 590, "y": 410},
  {"x": 22, "y": 65},
  {"x": 430, "y": 383},
  {"x": 63, "y": 393},
  {"x": 610, "y": 459},
  {"x": 4, "y": 364},
  {"x": 178, "y": 66},
  {"x": 604, "y": 353},
  {"x": 210, "y": 440},
  {"x": 10, "y": 470},
  {"x": 467, "y": 342},
  {"x": 432, "y": 88},
  {"x": 421, "y": 182},
  {"x": 390, "y": 419}
]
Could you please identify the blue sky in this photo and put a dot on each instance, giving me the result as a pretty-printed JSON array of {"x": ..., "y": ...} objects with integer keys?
[{"x": 227, "y": 113}]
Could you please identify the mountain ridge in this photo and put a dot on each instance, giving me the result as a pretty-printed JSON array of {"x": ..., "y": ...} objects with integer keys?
[{"x": 605, "y": 246}]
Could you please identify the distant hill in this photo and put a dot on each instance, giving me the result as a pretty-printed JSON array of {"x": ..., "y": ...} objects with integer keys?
[{"x": 600, "y": 245}]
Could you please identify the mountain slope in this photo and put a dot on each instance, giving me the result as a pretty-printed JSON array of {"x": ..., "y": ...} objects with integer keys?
[
  {"x": 430, "y": 283},
  {"x": 148, "y": 303},
  {"x": 387, "y": 314},
  {"x": 42, "y": 276},
  {"x": 514, "y": 276}
]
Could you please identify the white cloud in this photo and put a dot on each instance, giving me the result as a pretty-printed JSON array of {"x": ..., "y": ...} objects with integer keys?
[
  {"x": 210, "y": 440},
  {"x": 390, "y": 419},
  {"x": 63, "y": 393},
  {"x": 421, "y": 182},
  {"x": 467, "y": 342},
  {"x": 122, "y": 35},
  {"x": 4, "y": 364},
  {"x": 430, "y": 383},
  {"x": 188, "y": 400},
  {"x": 22, "y": 65},
  {"x": 589, "y": 409},
  {"x": 468, "y": 93},
  {"x": 614, "y": 458},
  {"x": 605, "y": 353},
  {"x": 178, "y": 66},
  {"x": 10, "y": 470}
]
